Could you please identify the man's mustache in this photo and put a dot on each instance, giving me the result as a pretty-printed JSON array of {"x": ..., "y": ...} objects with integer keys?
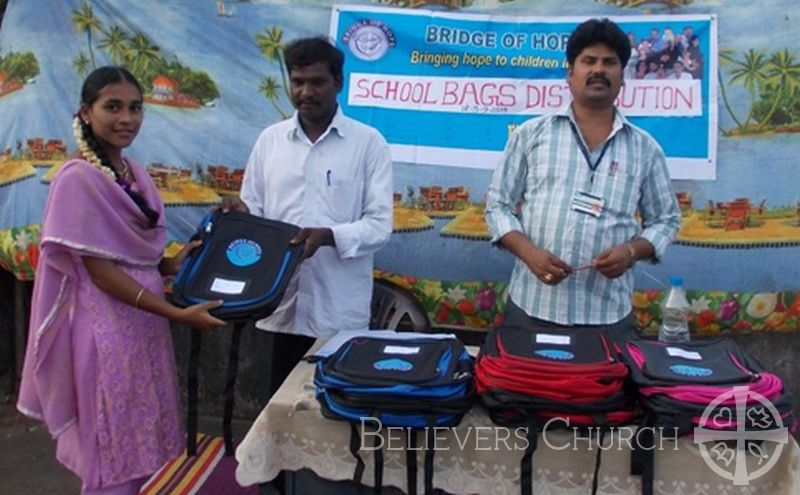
[{"x": 599, "y": 77}]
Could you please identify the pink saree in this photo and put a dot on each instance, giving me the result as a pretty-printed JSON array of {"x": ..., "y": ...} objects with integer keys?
[{"x": 99, "y": 372}]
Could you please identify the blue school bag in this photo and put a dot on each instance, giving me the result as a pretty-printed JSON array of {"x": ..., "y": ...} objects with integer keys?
[
  {"x": 247, "y": 262},
  {"x": 415, "y": 383}
]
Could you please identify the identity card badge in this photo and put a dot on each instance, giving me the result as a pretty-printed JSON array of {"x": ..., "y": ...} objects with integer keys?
[{"x": 588, "y": 203}]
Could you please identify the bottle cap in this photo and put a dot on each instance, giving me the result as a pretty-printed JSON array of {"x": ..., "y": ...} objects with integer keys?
[{"x": 675, "y": 281}]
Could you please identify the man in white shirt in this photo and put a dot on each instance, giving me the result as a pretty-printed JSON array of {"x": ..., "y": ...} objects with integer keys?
[{"x": 332, "y": 176}]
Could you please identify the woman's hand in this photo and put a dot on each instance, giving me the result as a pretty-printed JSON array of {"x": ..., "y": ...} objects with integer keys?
[
  {"x": 198, "y": 316},
  {"x": 170, "y": 266}
]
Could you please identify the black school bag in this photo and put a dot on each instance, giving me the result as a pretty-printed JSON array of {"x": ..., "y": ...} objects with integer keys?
[{"x": 247, "y": 261}]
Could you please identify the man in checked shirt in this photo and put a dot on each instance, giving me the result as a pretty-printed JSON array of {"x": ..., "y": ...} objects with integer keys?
[{"x": 581, "y": 175}]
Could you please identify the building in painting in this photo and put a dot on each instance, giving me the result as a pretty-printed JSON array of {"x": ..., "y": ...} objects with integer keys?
[
  {"x": 164, "y": 88},
  {"x": 52, "y": 149}
]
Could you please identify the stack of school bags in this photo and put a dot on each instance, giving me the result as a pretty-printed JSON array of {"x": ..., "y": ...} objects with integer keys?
[
  {"x": 698, "y": 388},
  {"x": 529, "y": 377},
  {"x": 415, "y": 383}
]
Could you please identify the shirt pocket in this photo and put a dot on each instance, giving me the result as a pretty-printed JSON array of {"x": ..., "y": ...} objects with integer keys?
[
  {"x": 341, "y": 200},
  {"x": 621, "y": 191}
]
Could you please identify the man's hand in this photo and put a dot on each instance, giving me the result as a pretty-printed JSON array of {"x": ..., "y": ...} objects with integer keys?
[
  {"x": 547, "y": 267},
  {"x": 232, "y": 203},
  {"x": 313, "y": 239},
  {"x": 614, "y": 261}
]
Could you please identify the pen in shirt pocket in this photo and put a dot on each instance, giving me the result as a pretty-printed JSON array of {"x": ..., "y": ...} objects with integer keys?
[{"x": 328, "y": 176}]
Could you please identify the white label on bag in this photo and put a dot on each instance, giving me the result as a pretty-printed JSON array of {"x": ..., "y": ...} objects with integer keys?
[
  {"x": 225, "y": 286},
  {"x": 397, "y": 349},
  {"x": 549, "y": 338},
  {"x": 681, "y": 353}
]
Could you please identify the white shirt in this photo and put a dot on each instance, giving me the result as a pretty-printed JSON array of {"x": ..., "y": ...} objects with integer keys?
[{"x": 342, "y": 181}]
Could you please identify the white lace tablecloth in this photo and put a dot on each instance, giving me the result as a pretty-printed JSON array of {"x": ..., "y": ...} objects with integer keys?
[{"x": 479, "y": 458}]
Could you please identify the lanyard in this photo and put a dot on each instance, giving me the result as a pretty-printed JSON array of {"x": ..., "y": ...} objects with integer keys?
[{"x": 585, "y": 152}]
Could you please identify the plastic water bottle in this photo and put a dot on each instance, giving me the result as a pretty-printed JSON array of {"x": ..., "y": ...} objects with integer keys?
[{"x": 675, "y": 314}]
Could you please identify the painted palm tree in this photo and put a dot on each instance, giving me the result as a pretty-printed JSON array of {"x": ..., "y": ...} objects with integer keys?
[
  {"x": 269, "y": 87},
  {"x": 725, "y": 55},
  {"x": 85, "y": 21},
  {"x": 115, "y": 42},
  {"x": 749, "y": 72},
  {"x": 783, "y": 74},
  {"x": 81, "y": 64},
  {"x": 270, "y": 45},
  {"x": 142, "y": 54}
]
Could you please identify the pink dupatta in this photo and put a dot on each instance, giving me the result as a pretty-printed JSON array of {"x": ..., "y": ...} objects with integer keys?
[{"x": 86, "y": 213}]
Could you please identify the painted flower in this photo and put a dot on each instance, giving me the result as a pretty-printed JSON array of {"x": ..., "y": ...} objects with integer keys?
[
  {"x": 742, "y": 325},
  {"x": 701, "y": 304},
  {"x": 456, "y": 293},
  {"x": 643, "y": 318},
  {"x": 19, "y": 257},
  {"x": 466, "y": 307},
  {"x": 705, "y": 318},
  {"x": 775, "y": 320},
  {"x": 728, "y": 309},
  {"x": 431, "y": 289},
  {"x": 794, "y": 307},
  {"x": 23, "y": 238},
  {"x": 33, "y": 255},
  {"x": 653, "y": 294},
  {"x": 640, "y": 300},
  {"x": 485, "y": 298},
  {"x": 762, "y": 305},
  {"x": 443, "y": 313}
]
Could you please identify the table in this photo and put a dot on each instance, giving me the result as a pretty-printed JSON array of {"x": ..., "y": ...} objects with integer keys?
[{"x": 291, "y": 434}]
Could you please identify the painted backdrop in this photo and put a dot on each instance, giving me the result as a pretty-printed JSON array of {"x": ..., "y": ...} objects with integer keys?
[{"x": 213, "y": 79}]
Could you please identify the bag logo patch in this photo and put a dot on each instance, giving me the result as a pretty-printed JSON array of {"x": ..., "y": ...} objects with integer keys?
[
  {"x": 393, "y": 364},
  {"x": 559, "y": 354},
  {"x": 243, "y": 252},
  {"x": 687, "y": 370}
]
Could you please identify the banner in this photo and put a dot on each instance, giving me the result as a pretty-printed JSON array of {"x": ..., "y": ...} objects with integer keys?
[{"x": 446, "y": 88}]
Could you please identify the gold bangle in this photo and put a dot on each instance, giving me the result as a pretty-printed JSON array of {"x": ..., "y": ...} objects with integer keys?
[
  {"x": 138, "y": 297},
  {"x": 631, "y": 254}
]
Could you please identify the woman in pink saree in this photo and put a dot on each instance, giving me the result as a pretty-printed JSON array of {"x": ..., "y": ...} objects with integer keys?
[{"x": 99, "y": 368}]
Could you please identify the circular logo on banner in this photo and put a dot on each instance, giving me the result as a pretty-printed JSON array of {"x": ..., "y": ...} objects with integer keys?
[
  {"x": 243, "y": 252},
  {"x": 559, "y": 354},
  {"x": 369, "y": 39}
]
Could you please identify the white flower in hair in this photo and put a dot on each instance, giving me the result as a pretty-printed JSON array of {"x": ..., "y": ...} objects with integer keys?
[{"x": 88, "y": 153}]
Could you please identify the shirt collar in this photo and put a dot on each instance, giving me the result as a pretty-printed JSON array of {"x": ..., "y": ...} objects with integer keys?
[
  {"x": 338, "y": 124},
  {"x": 619, "y": 120}
]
